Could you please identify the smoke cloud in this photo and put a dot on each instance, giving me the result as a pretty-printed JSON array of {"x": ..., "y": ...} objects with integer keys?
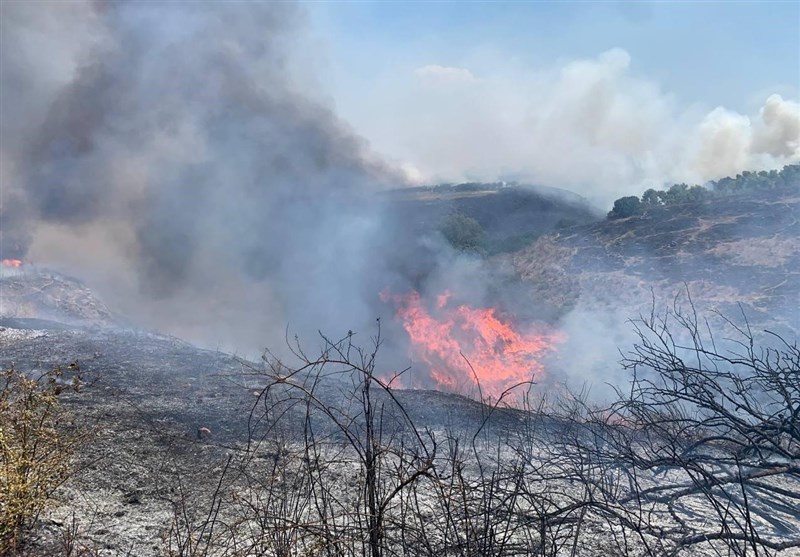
[
  {"x": 590, "y": 125},
  {"x": 169, "y": 152}
]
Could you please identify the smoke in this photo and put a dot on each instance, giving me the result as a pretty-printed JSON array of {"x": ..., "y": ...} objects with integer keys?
[
  {"x": 779, "y": 136},
  {"x": 590, "y": 125},
  {"x": 587, "y": 359},
  {"x": 170, "y": 152},
  {"x": 180, "y": 157}
]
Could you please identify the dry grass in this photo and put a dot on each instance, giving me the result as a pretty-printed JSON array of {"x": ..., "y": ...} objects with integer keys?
[
  {"x": 760, "y": 252},
  {"x": 544, "y": 265}
]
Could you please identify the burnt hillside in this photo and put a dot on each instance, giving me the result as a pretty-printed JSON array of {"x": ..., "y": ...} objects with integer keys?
[
  {"x": 511, "y": 215},
  {"x": 739, "y": 249}
]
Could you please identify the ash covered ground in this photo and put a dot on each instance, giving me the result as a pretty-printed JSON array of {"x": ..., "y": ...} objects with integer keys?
[
  {"x": 164, "y": 415},
  {"x": 180, "y": 434},
  {"x": 219, "y": 186}
]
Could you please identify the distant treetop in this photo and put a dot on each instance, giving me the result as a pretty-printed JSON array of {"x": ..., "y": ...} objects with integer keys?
[{"x": 747, "y": 181}]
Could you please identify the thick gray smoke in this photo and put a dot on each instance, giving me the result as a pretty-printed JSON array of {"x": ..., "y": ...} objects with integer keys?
[{"x": 168, "y": 151}]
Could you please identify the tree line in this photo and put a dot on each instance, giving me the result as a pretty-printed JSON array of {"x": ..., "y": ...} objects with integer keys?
[{"x": 747, "y": 181}]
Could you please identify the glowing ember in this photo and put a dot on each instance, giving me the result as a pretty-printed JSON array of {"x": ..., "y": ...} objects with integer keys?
[
  {"x": 11, "y": 262},
  {"x": 463, "y": 345}
]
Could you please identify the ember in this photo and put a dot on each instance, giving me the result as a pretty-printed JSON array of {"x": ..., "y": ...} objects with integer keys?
[{"x": 465, "y": 347}]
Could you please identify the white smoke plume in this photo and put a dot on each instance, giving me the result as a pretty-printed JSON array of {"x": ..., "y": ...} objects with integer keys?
[{"x": 590, "y": 125}]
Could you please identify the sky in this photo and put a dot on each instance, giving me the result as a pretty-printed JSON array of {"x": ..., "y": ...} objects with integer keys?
[{"x": 486, "y": 90}]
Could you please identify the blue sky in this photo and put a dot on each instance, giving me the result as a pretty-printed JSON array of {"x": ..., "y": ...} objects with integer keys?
[
  {"x": 696, "y": 74},
  {"x": 709, "y": 52}
]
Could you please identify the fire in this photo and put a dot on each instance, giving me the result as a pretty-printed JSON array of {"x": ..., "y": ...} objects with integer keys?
[
  {"x": 11, "y": 263},
  {"x": 467, "y": 347}
]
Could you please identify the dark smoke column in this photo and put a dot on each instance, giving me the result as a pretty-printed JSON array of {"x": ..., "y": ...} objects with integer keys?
[{"x": 182, "y": 132}]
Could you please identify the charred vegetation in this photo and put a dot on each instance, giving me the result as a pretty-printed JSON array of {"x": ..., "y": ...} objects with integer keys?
[{"x": 317, "y": 452}]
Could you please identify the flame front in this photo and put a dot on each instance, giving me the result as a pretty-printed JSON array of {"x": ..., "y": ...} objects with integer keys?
[
  {"x": 466, "y": 347},
  {"x": 11, "y": 262}
]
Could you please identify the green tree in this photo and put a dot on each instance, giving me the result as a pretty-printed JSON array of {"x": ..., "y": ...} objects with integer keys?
[
  {"x": 651, "y": 198},
  {"x": 626, "y": 207},
  {"x": 677, "y": 193},
  {"x": 464, "y": 233},
  {"x": 697, "y": 193},
  {"x": 790, "y": 175}
]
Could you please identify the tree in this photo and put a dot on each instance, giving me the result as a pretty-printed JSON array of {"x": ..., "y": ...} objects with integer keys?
[
  {"x": 651, "y": 198},
  {"x": 697, "y": 193},
  {"x": 362, "y": 423},
  {"x": 464, "y": 233},
  {"x": 626, "y": 207},
  {"x": 787, "y": 177},
  {"x": 677, "y": 193}
]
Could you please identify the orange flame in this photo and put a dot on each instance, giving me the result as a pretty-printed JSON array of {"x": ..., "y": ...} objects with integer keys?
[
  {"x": 11, "y": 262},
  {"x": 466, "y": 347}
]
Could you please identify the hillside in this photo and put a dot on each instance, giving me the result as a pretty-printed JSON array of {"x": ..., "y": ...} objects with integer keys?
[
  {"x": 193, "y": 452},
  {"x": 738, "y": 249},
  {"x": 163, "y": 417},
  {"x": 511, "y": 215},
  {"x": 198, "y": 452}
]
